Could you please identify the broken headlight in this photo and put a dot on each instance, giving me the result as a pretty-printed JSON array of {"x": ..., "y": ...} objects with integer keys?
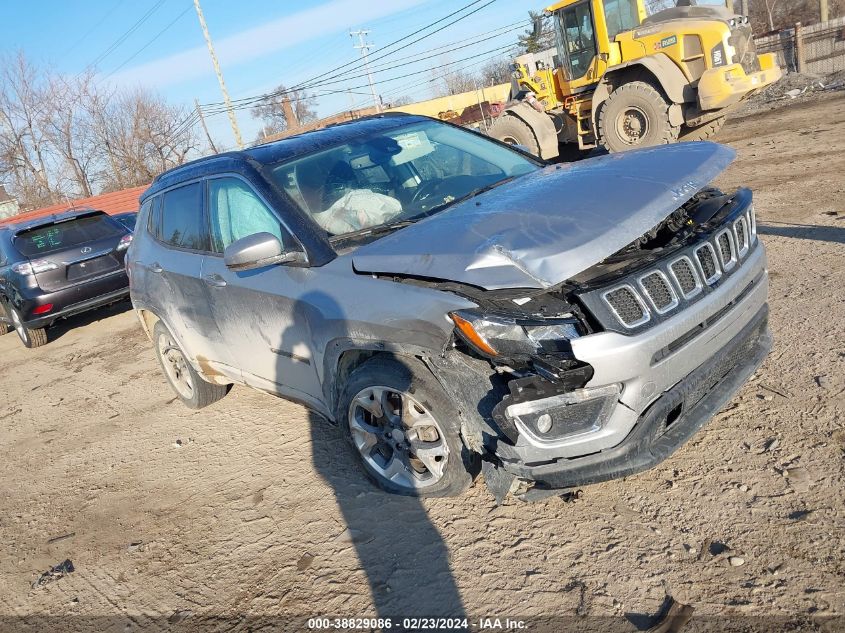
[{"x": 495, "y": 336}]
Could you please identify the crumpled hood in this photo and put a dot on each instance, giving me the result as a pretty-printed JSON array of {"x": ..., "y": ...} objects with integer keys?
[{"x": 548, "y": 226}]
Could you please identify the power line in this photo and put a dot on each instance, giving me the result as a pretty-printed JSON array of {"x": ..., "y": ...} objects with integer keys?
[
  {"x": 216, "y": 108},
  {"x": 419, "y": 39},
  {"x": 93, "y": 28},
  {"x": 148, "y": 44},
  {"x": 334, "y": 74},
  {"x": 114, "y": 46}
]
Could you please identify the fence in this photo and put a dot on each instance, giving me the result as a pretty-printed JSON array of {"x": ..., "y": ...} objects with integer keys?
[{"x": 818, "y": 49}]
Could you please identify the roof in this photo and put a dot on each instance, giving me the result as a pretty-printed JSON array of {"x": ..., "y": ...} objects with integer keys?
[
  {"x": 111, "y": 203},
  {"x": 19, "y": 222},
  {"x": 284, "y": 149}
]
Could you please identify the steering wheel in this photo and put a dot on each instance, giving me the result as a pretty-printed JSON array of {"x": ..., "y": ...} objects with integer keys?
[{"x": 426, "y": 189}]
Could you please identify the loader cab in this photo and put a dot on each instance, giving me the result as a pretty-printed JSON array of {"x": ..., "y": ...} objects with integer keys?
[{"x": 584, "y": 34}]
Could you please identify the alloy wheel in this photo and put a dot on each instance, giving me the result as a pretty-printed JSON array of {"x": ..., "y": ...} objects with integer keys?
[
  {"x": 398, "y": 437},
  {"x": 175, "y": 366}
]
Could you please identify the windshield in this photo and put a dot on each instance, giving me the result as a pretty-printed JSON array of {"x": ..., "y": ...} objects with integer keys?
[
  {"x": 404, "y": 174},
  {"x": 55, "y": 237}
]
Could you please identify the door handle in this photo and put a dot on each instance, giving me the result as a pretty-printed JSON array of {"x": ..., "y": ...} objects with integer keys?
[
  {"x": 156, "y": 268},
  {"x": 214, "y": 280}
]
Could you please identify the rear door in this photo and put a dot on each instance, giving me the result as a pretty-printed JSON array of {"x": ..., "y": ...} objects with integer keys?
[
  {"x": 70, "y": 252},
  {"x": 258, "y": 315},
  {"x": 171, "y": 265}
]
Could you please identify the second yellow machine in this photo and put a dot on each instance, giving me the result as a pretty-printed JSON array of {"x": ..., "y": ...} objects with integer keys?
[{"x": 621, "y": 79}]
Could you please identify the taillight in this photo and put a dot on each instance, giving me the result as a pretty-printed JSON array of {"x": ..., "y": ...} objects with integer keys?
[
  {"x": 34, "y": 267},
  {"x": 43, "y": 309},
  {"x": 124, "y": 243}
]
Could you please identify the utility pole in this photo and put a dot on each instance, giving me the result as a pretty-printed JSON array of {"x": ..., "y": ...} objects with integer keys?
[
  {"x": 365, "y": 51},
  {"x": 823, "y": 14},
  {"x": 217, "y": 70},
  {"x": 202, "y": 122}
]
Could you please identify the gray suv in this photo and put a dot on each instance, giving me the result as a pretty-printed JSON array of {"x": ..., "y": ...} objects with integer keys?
[{"x": 456, "y": 305}]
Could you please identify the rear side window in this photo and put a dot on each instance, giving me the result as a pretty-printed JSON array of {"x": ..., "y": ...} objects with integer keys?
[
  {"x": 182, "y": 219},
  {"x": 154, "y": 217},
  {"x": 62, "y": 235}
]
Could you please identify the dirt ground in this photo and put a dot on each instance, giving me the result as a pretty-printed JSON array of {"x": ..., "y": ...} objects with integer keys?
[{"x": 250, "y": 512}]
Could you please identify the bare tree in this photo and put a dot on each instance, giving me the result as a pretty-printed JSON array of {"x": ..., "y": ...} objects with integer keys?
[
  {"x": 448, "y": 80},
  {"x": 496, "y": 71},
  {"x": 24, "y": 151},
  {"x": 68, "y": 136},
  {"x": 69, "y": 133},
  {"x": 274, "y": 113}
]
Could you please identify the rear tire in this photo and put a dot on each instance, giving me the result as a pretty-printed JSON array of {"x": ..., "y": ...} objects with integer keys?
[
  {"x": 635, "y": 115},
  {"x": 514, "y": 131},
  {"x": 5, "y": 328},
  {"x": 404, "y": 429},
  {"x": 189, "y": 386},
  {"x": 702, "y": 132},
  {"x": 30, "y": 337}
]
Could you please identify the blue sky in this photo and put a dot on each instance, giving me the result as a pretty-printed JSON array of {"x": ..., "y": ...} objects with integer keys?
[{"x": 259, "y": 43}]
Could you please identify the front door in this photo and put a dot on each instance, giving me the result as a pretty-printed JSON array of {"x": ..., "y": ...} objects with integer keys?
[
  {"x": 577, "y": 47},
  {"x": 266, "y": 328}
]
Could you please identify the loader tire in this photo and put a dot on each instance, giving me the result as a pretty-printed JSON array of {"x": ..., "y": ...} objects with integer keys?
[
  {"x": 702, "y": 132},
  {"x": 514, "y": 131},
  {"x": 635, "y": 115}
]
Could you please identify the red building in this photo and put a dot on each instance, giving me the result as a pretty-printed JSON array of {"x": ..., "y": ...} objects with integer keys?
[{"x": 112, "y": 203}]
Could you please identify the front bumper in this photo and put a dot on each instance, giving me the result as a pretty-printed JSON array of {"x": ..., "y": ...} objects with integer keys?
[
  {"x": 669, "y": 421},
  {"x": 727, "y": 85}
]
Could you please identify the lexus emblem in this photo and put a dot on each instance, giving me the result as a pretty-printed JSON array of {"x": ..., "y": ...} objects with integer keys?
[{"x": 86, "y": 250}]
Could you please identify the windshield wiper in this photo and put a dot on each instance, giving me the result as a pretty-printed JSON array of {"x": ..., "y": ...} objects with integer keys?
[{"x": 372, "y": 230}]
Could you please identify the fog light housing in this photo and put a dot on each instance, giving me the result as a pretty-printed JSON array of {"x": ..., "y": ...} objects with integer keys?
[{"x": 564, "y": 416}]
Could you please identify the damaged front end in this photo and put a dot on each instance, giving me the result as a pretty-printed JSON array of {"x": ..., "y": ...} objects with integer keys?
[{"x": 610, "y": 372}]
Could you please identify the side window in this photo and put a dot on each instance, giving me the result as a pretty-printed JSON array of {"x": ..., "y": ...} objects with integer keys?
[
  {"x": 154, "y": 218},
  {"x": 236, "y": 211},
  {"x": 182, "y": 221},
  {"x": 577, "y": 26}
]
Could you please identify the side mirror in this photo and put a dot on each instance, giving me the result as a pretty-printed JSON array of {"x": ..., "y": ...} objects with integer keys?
[{"x": 257, "y": 251}]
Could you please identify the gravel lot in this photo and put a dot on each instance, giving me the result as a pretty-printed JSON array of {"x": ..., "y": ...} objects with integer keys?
[{"x": 252, "y": 511}]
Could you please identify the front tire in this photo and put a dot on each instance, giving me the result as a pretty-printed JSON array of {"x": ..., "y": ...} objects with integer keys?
[
  {"x": 635, "y": 115},
  {"x": 514, "y": 131},
  {"x": 30, "y": 337},
  {"x": 189, "y": 386},
  {"x": 702, "y": 132},
  {"x": 405, "y": 430}
]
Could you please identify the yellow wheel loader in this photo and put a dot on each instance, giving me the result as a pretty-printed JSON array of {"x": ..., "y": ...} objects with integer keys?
[{"x": 621, "y": 79}]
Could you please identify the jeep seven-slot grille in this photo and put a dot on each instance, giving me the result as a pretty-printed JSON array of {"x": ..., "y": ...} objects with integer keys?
[
  {"x": 685, "y": 276},
  {"x": 741, "y": 236},
  {"x": 726, "y": 252},
  {"x": 671, "y": 284},
  {"x": 627, "y": 307},
  {"x": 707, "y": 260},
  {"x": 658, "y": 290}
]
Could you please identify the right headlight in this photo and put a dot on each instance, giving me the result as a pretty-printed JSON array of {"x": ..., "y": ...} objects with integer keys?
[{"x": 494, "y": 336}]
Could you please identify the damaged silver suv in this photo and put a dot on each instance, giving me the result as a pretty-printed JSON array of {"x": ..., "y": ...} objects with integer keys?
[{"x": 454, "y": 304}]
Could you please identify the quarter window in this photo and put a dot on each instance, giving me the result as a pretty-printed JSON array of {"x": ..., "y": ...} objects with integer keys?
[
  {"x": 236, "y": 211},
  {"x": 182, "y": 222}
]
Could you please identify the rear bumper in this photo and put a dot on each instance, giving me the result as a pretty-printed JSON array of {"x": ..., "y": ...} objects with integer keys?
[
  {"x": 726, "y": 85},
  {"x": 74, "y": 299},
  {"x": 670, "y": 421}
]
